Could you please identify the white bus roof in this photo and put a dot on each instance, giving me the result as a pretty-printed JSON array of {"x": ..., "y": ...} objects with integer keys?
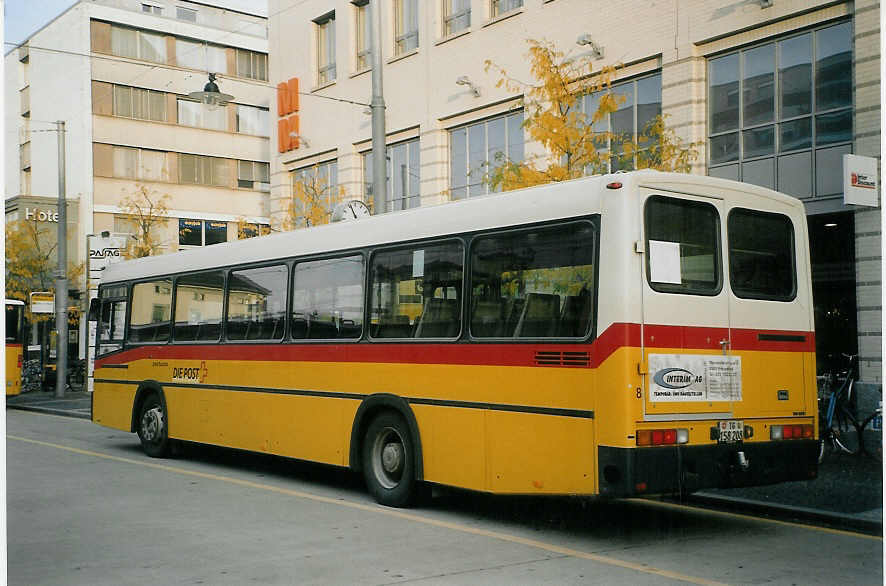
[{"x": 536, "y": 204}]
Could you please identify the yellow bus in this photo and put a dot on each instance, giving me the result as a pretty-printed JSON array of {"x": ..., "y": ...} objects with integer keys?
[
  {"x": 627, "y": 334},
  {"x": 14, "y": 348}
]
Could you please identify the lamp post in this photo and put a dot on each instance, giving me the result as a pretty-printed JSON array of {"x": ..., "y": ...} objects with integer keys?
[
  {"x": 211, "y": 96},
  {"x": 61, "y": 281},
  {"x": 377, "y": 105}
]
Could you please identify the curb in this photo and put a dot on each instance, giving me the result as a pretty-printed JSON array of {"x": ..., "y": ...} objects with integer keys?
[
  {"x": 50, "y": 411},
  {"x": 847, "y": 521}
]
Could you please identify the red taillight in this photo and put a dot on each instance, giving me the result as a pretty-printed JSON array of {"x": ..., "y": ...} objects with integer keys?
[
  {"x": 19, "y": 361},
  {"x": 787, "y": 432},
  {"x": 614, "y": 185},
  {"x": 640, "y": 487},
  {"x": 808, "y": 432},
  {"x": 792, "y": 432},
  {"x": 661, "y": 437}
]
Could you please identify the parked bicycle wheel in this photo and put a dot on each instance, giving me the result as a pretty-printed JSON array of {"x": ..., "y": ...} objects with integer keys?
[{"x": 843, "y": 436}]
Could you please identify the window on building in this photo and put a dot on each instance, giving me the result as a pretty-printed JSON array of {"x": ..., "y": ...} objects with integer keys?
[
  {"x": 473, "y": 149},
  {"x": 252, "y": 65},
  {"x": 198, "y": 306},
  {"x": 405, "y": 26},
  {"x": 327, "y": 299},
  {"x": 252, "y": 230},
  {"x": 202, "y": 170},
  {"x": 142, "y": 104},
  {"x": 138, "y": 44},
  {"x": 639, "y": 105},
  {"x": 685, "y": 234},
  {"x": 201, "y": 56},
  {"x": 201, "y": 232},
  {"x": 499, "y": 7},
  {"x": 416, "y": 292},
  {"x": 761, "y": 255},
  {"x": 25, "y": 155},
  {"x": 325, "y": 48},
  {"x": 536, "y": 283},
  {"x": 315, "y": 190},
  {"x": 780, "y": 114},
  {"x": 253, "y": 120},
  {"x": 362, "y": 34},
  {"x": 151, "y": 310},
  {"x": 152, "y": 9},
  {"x": 253, "y": 175},
  {"x": 188, "y": 14},
  {"x": 257, "y": 304},
  {"x": 202, "y": 115},
  {"x": 132, "y": 163},
  {"x": 456, "y": 16},
  {"x": 403, "y": 175}
]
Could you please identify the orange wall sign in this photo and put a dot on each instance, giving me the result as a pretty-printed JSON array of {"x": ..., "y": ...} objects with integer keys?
[{"x": 287, "y": 108}]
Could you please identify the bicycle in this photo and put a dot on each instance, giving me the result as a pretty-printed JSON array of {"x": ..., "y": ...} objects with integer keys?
[{"x": 837, "y": 420}]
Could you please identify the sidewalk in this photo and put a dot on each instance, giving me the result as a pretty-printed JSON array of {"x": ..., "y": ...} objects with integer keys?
[{"x": 848, "y": 491}]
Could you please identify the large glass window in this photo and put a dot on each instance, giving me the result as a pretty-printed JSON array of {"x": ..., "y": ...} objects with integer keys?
[
  {"x": 362, "y": 34},
  {"x": 416, "y": 292},
  {"x": 151, "y": 310},
  {"x": 326, "y": 48},
  {"x": 761, "y": 255},
  {"x": 257, "y": 303},
  {"x": 131, "y": 102},
  {"x": 327, "y": 299},
  {"x": 315, "y": 190},
  {"x": 202, "y": 115},
  {"x": 198, "y": 306},
  {"x": 201, "y": 232},
  {"x": 780, "y": 114},
  {"x": 499, "y": 7},
  {"x": 132, "y": 163},
  {"x": 253, "y": 120},
  {"x": 252, "y": 65},
  {"x": 682, "y": 246},
  {"x": 536, "y": 283},
  {"x": 253, "y": 175},
  {"x": 639, "y": 104},
  {"x": 203, "y": 170},
  {"x": 456, "y": 16},
  {"x": 201, "y": 56},
  {"x": 403, "y": 175},
  {"x": 473, "y": 149},
  {"x": 405, "y": 26},
  {"x": 138, "y": 44}
]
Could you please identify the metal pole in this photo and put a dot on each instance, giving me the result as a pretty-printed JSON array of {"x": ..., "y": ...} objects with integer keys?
[
  {"x": 377, "y": 106},
  {"x": 61, "y": 283}
]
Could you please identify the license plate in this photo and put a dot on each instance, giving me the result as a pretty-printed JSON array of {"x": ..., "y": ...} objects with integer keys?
[{"x": 731, "y": 431}]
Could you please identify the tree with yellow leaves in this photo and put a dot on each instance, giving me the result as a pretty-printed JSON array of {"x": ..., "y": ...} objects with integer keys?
[
  {"x": 575, "y": 141},
  {"x": 249, "y": 230},
  {"x": 314, "y": 195},
  {"x": 146, "y": 212},
  {"x": 31, "y": 265}
]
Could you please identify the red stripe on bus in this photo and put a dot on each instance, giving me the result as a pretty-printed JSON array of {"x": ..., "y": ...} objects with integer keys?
[{"x": 616, "y": 336}]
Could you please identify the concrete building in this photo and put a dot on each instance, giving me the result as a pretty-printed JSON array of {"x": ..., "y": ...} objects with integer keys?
[
  {"x": 775, "y": 91},
  {"x": 118, "y": 73}
]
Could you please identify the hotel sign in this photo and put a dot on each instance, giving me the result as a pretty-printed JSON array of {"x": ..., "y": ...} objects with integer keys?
[{"x": 39, "y": 215}]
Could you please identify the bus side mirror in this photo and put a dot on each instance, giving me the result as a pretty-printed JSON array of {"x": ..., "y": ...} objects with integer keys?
[{"x": 94, "y": 309}]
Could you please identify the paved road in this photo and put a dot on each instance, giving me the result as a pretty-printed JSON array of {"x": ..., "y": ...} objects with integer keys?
[{"x": 86, "y": 507}]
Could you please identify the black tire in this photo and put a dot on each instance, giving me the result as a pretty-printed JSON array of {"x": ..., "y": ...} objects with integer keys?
[
  {"x": 152, "y": 428},
  {"x": 389, "y": 460}
]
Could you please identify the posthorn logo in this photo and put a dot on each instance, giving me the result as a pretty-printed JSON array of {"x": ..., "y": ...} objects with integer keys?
[{"x": 674, "y": 378}]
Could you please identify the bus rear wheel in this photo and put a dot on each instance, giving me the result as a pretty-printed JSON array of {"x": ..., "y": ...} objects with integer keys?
[
  {"x": 152, "y": 427},
  {"x": 389, "y": 460}
]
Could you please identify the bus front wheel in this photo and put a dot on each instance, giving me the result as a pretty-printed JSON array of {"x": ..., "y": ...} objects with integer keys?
[
  {"x": 152, "y": 427},
  {"x": 389, "y": 460}
]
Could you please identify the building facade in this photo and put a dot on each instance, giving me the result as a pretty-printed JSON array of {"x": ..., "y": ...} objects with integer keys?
[
  {"x": 774, "y": 91},
  {"x": 118, "y": 73}
]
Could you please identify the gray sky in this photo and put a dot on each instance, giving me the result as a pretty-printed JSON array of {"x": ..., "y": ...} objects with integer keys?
[{"x": 23, "y": 17}]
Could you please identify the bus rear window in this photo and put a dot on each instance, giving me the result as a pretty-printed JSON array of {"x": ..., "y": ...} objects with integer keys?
[
  {"x": 761, "y": 255},
  {"x": 536, "y": 283},
  {"x": 682, "y": 246}
]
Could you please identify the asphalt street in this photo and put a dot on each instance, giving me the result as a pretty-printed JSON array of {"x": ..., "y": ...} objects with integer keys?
[{"x": 85, "y": 506}]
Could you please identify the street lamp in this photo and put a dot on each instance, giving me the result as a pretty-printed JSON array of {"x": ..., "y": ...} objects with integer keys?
[{"x": 211, "y": 96}]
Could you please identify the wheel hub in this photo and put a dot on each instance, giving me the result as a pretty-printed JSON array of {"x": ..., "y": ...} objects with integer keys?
[
  {"x": 152, "y": 423},
  {"x": 392, "y": 457}
]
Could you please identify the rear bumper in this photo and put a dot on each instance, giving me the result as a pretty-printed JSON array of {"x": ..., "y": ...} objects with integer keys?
[{"x": 683, "y": 469}]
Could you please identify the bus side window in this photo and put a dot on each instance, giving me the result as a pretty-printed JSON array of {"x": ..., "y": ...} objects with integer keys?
[
  {"x": 536, "y": 283},
  {"x": 111, "y": 326}
]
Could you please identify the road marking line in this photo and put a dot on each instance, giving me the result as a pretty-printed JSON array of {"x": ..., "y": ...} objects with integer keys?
[
  {"x": 744, "y": 517},
  {"x": 549, "y": 547}
]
